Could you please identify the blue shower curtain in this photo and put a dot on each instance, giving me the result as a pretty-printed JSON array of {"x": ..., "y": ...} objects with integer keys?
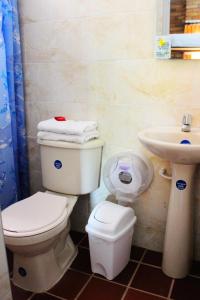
[{"x": 14, "y": 183}]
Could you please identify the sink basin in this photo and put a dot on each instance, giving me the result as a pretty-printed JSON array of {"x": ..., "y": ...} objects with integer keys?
[
  {"x": 183, "y": 150},
  {"x": 173, "y": 144}
]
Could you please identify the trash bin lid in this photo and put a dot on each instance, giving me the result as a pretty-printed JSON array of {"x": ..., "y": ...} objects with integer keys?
[
  {"x": 109, "y": 213},
  {"x": 127, "y": 175},
  {"x": 108, "y": 220}
]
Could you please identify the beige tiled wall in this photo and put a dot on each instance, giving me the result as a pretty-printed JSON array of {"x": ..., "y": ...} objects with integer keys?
[{"x": 93, "y": 59}]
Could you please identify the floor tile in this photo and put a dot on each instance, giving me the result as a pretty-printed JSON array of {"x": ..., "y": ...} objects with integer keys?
[
  {"x": 82, "y": 261},
  {"x": 100, "y": 289},
  {"x": 43, "y": 297},
  {"x": 195, "y": 270},
  {"x": 152, "y": 280},
  {"x": 76, "y": 236},
  {"x": 137, "y": 295},
  {"x": 85, "y": 242},
  {"x": 19, "y": 294},
  {"x": 70, "y": 285},
  {"x": 153, "y": 258},
  {"x": 125, "y": 276},
  {"x": 136, "y": 252},
  {"x": 186, "y": 289}
]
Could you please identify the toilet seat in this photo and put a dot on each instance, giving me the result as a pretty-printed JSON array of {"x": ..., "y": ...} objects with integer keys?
[{"x": 34, "y": 215}]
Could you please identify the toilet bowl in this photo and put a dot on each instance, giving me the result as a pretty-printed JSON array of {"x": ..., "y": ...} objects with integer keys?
[
  {"x": 40, "y": 240},
  {"x": 36, "y": 229}
]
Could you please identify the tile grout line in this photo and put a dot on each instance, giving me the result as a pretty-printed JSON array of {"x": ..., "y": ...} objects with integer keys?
[
  {"x": 83, "y": 288},
  {"x": 58, "y": 297},
  {"x": 171, "y": 288},
  {"x": 132, "y": 277},
  {"x": 55, "y": 296},
  {"x": 148, "y": 293},
  {"x": 79, "y": 271},
  {"x": 154, "y": 266},
  {"x": 111, "y": 281},
  {"x": 31, "y": 296}
]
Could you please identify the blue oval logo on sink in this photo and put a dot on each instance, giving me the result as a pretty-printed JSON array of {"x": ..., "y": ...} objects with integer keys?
[
  {"x": 181, "y": 185},
  {"x": 185, "y": 142}
]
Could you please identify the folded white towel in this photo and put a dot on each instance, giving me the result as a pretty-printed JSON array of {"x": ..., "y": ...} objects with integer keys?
[
  {"x": 67, "y": 127},
  {"x": 79, "y": 139}
]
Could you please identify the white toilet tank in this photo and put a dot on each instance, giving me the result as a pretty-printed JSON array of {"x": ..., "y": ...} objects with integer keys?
[{"x": 71, "y": 168}]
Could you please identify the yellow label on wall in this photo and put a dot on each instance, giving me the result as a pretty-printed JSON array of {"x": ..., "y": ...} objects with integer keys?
[{"x": 163, "y": 47}]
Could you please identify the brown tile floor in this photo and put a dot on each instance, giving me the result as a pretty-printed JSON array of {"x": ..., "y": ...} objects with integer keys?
[{"x": 142, "y": 279}]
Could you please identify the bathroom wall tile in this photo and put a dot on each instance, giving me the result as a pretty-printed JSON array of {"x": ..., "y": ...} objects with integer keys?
[
  {"x": 38, "y": 111},
  {"x": 62, "y": 9},
  {"x": 149, "y": 236},
  {"x": 93, "y": 38},
  {"x": 50, "y": 42},
  {"x": 35, "y": 181},
  {"x": 34, "y": 154},
  {"x": 119, "y": 37},
  {"x": 120, "y": 6},
  {"x": 55, "y": 10},
  {"x": 58, "y": 82}
]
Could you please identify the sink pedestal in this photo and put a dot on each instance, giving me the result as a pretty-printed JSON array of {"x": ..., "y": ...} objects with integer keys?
[{"x": 178, "y": 245}]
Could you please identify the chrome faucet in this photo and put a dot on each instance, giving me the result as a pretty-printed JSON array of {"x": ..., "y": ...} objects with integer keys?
[{"x": 186, "y": 123}]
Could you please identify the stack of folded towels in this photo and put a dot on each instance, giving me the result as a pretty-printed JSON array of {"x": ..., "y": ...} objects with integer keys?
[{"x": 59, "y": 129}]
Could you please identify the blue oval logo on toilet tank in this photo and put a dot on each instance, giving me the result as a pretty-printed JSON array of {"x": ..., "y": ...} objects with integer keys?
[
  {"x": 181, "y": 184},
  {"x": 185, "y": 142},
  {"x": 57, "y": 164}
]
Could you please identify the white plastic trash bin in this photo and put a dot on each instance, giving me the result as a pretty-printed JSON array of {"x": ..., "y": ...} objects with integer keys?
[{"x": 110, "y": 229}]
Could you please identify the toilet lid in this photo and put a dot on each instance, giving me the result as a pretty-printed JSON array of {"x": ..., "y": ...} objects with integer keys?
[{"x": 33, "y": 213}]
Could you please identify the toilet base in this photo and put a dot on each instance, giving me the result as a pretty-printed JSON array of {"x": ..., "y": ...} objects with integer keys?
[{"x": 41, "y": 272}]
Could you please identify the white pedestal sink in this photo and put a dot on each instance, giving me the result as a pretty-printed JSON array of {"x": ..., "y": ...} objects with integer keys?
[{"x": 183, "y": 150}]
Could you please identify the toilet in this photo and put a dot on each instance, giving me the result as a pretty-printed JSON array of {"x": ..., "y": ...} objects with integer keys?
[{"x": 36, "y": 229}]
